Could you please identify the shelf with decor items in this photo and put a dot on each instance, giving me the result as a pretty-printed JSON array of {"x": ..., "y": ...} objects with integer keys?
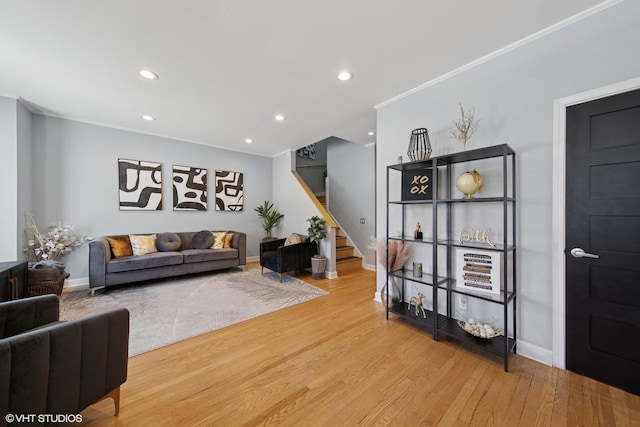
[{"x": 476, "y": 273}]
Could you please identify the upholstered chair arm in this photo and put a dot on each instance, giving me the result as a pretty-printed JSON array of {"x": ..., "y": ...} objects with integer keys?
[
  {"x": 99, "y": 256},
  {"x": 65, "y": 367},
  {"x": 20, "y": 315},
  {"x": 239, "y": 242},
  {"x": 296, "y": 256}
]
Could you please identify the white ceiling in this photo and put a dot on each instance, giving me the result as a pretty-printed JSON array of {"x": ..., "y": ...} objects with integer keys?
[{"x": 228, "y": 66}]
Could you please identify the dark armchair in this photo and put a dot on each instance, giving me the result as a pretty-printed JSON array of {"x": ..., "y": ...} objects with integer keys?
[
  {"x": 53, "y": 367},
  {"x": 277, "y": 257}
]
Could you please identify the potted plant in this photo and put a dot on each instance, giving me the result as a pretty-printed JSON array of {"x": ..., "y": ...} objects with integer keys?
[
  {"x": 270, "y": 218},
  {"x": 317, "y": 231}
]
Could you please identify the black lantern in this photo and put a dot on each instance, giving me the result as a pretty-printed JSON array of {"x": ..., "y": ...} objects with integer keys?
[{"x": 419, "y": 145}]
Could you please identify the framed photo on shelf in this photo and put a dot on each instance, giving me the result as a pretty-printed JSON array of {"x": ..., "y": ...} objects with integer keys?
[{"x": 478, "y": 270}]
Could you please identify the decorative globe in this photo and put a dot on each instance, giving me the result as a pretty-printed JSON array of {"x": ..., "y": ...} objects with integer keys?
[{"x": 469, "y": 182}]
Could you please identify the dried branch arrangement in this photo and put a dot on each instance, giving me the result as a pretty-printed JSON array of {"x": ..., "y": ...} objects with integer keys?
[
  {"x": 466, "y": 126},
  {"x": 399, "y": 253}
]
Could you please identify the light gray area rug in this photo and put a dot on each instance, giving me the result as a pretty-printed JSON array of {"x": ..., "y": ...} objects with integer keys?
[{"x": 172, "y": 310}]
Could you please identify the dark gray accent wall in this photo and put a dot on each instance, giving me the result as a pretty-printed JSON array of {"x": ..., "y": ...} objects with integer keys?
[
  {"x": 75, "y": 180},
  {"x": 352, "y": 195},
  {"x": 312, "y": 170}
]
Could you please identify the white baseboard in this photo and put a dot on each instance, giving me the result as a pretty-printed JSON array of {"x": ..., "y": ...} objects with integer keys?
[
  {"x": 74, "y": 285},
  {"x": 534, "y": 352},
  {"x": 331, "y": 274},
  {"x": 369, "y": 267}
]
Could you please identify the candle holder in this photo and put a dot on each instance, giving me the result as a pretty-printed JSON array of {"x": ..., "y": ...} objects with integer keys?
[
  {"x": 417, "y": 269},
  {"x": 419, "y": 145}
]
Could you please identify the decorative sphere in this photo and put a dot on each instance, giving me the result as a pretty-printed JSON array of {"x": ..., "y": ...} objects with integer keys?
[{"x": 469, "y": 183}]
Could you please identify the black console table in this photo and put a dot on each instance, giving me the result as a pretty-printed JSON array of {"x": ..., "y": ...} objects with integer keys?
[{"x": 13, "y": 280}]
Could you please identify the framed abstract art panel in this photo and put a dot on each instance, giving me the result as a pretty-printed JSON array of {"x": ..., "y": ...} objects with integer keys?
[
  {"x": 140, "y": 185},
  {"x": 189, "y": 188},
  {"x": 229, "y": 191}
]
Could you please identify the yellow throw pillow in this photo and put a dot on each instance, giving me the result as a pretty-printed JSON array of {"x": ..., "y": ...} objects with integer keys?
[
  {"x": 293, "y": 239},
  {"x": 142, "y": 245},
  {"x": 218, "y": 239},
  {"x": 120, "y": 246},
  {"x": 227, "y": 240}
]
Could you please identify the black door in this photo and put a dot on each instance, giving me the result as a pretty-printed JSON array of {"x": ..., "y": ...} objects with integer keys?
[{"x": 603, "y": 240}]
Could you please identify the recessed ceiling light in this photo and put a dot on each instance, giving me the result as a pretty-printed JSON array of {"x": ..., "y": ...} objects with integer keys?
[
  {"x": 371, "y": 133},
  {"x": 343, "y": 76},
  {"x": 148, "y": 74},
  {"x": 148, "y": 118},
  {"x": 280, "y": 117},
  {"x": 248, "y": 140}
]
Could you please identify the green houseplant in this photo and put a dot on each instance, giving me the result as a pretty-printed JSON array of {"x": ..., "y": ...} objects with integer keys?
[
  {"x": 270, "y": 217},
  {"x": 317, "y": 231}
]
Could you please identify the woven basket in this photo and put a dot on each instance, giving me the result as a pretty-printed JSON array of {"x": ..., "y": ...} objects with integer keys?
[{"x": 45, "y": 281}]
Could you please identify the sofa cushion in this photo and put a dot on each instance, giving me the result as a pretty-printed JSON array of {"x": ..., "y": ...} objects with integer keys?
[
  {"x": 143, "y": 244},
  {"x": 120, "y": 246},
  {"x": 202, "y": 240},
  {"x": 156, "y": 259},
  {"x": 168, "y": 242},
  {"x": 200, "y": 255}
]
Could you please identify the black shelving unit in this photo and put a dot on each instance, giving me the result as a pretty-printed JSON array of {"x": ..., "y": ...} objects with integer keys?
[{"x": 441, "y": 281}]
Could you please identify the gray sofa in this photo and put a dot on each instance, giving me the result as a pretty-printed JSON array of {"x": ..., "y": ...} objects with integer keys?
[
  {"x": 52, "y": 367},
  {"x": 106, "y": 270}
]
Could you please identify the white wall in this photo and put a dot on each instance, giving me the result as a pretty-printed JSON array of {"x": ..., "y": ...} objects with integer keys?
[
  {"x": 24, "y": 175},
  {"x": 351, "y": 172},
  {"x": 75, "y": 180},
  {"x": 289, "y": 198},
  {"x": 9, "y": 179},
  {"x": 513, "y": 95}
]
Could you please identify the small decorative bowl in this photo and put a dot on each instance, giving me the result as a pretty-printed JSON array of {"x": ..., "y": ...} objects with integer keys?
[{"x": 480, "y": 329}]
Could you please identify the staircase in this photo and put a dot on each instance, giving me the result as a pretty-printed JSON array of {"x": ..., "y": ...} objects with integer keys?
[{"x": 345, "y": 259}]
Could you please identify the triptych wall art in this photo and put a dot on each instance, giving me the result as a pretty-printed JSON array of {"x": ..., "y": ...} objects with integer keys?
[{"x": 140, "y": 187}]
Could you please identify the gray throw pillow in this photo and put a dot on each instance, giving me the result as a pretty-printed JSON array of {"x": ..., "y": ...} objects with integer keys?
[
  {"x": 166, "y": 242},
  {"x": 202, "y": 240}
]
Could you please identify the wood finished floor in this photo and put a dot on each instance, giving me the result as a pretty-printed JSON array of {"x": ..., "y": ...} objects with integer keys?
[{"x": 336, "y": 361}]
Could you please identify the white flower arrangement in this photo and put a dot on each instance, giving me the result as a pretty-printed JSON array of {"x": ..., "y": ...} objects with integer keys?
[{"x": 54, "y": 245}]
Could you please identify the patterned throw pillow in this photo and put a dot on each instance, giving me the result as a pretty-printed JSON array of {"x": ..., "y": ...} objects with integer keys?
[
  {"x": 120, "y": 246},
  {"x": 143, "y": 244},
  {"x": 293, "y": 239}
]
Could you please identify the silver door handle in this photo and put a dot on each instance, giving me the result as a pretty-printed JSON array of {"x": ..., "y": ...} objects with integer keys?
[{"x": 580, "y": 253}]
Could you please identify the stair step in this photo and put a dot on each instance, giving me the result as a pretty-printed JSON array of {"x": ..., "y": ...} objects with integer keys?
[
  {"x": 343, "y": 252},
  {"x": 348, "y": 264},
  {"x": 341, "y": 241}
]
